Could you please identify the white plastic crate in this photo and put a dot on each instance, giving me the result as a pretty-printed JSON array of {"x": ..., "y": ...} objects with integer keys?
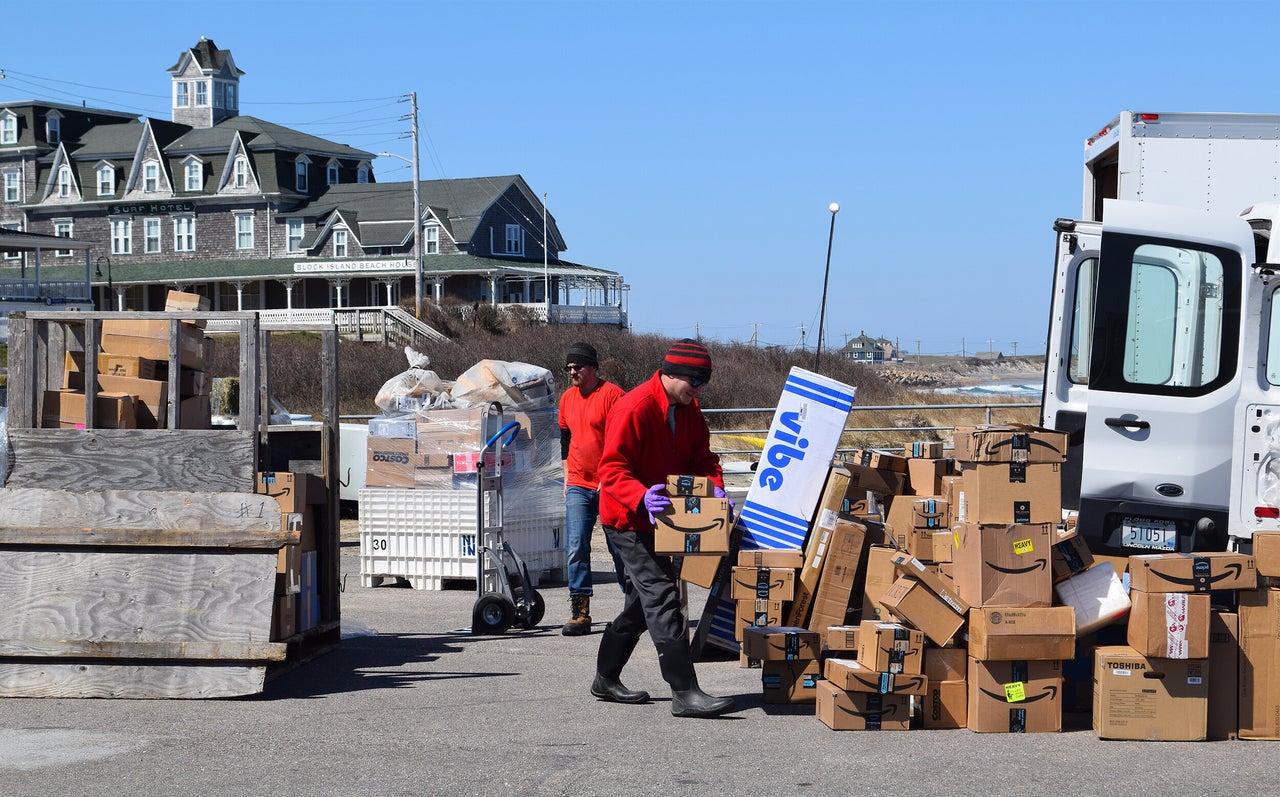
[{"x": 428, "y": 537}]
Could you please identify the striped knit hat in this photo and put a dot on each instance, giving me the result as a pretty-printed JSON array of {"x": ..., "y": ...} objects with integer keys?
[{"x": 688, "y": 358}]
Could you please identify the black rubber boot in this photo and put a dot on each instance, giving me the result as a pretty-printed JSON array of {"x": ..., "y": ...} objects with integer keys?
[
  {"x": 687, "y": 700},
  {"x": 615, "y": 651}
]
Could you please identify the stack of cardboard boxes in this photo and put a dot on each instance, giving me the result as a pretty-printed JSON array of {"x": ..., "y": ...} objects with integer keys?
[
  {"x": 133, "y": 375},
  {"x": 297, "y": 602}
]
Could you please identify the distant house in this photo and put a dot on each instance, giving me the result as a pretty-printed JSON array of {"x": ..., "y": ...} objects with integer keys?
[
  {"x": 865, "y": 348},
  {"x": 988, "y": 356},
  {"x": 257, "y": 216}
]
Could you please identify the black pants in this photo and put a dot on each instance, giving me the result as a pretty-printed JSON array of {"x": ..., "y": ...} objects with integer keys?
[{"x": 651, "y": 599}]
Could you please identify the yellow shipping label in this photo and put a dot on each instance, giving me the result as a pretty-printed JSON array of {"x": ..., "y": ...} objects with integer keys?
[
  {"x": 1022, "y": 546},
  {"x": 1015, "y": 692}
]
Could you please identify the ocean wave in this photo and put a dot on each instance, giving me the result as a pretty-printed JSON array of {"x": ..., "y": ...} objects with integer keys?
[{"x": 1019, "y": 389}]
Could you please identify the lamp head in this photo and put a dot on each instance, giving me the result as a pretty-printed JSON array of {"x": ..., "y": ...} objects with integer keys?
[{"x": 834, "y": 207}]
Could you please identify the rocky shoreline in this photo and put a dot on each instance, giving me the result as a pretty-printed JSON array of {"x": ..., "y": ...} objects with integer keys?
[{"x": 961, "y": 372}]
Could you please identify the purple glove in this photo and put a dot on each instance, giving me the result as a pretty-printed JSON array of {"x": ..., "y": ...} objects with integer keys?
[
  {"x": 719, "y": 492},
  {"x": 655, "y": 501}
]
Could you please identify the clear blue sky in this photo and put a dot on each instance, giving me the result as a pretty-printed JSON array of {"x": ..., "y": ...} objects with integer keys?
[{"x": 694, "y": 146}]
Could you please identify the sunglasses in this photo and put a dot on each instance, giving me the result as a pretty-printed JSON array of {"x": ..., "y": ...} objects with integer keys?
[
  {"x": 573, "y": 368},
  {"x": 697, "y": 383}
]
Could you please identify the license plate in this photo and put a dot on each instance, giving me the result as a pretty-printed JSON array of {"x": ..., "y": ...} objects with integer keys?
[{"x": 1160, "y": 535}]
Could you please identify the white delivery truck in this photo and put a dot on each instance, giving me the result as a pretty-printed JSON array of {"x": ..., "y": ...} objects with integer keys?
[{"x": 1163, "y": 359}]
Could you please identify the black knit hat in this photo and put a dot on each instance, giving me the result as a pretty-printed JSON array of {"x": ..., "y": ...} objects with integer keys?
[
  {"x": 690, "y": 358},
  {"x": 581, "y": 354}
]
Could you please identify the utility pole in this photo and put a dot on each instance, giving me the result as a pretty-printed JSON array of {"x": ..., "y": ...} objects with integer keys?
[
  {"x": 1015, "y": 348},
  {"x": 802, "y": 347},
  {"x": 962, "y": 351},
  {"x": 417, "y": 210},
  {"x": 755, "y": 334},
  {"x": 917, "y": 353}
]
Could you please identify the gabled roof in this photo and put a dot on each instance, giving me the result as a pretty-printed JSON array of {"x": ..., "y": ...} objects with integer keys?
[
  {"x": 259, "y": 136},
  {"x": 207, "y": 55}
]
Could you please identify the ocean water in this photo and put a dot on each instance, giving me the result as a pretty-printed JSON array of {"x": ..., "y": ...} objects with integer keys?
[{"x": 1029, "y": 390}]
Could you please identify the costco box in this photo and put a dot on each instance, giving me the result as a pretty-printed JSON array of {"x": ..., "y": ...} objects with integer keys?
[
  {"x": 763, "y": 583},
  {"x": 690, "y": 486},
  {"x": 861, "y": 711},
  {"x": 1149, "y": 699},
  {"x": 1224, "y": 686},
  {"x": 891, "y": 647},
  {"x": 1009, "y": 442},
  {"x": 790, "y": 681},
  {"x": 1259, "y": 613},
  {"x": 843, "y": 571},
  {"x": 693, "y": 525},
  {"x": 911, "y": 601},
  {"x": 817, "y": 543},
  {"x": 880, "y": 576},
  {"x": 1034, "y": 634},
  {"x": 781, "y": 643},
  {"x": 1192, "y": 572},
  {"x": 1070, "y": 555},
  {"x": 1004, "y": 565},
  {"x": 1015, "y": 696},
  {"x": 852, "y": 676},
  {"x": 946, "y": 704},
  {"x": 1096, "y": 595},
  {"x": 1010, "y": 492},
  {"x": 388, "y": 462},
  {"x": 1169, "y": 625},
  {"x": 150, "y": 339},
  {"x": 65, "y": 409},
  {"x": 757, "y": 613}
]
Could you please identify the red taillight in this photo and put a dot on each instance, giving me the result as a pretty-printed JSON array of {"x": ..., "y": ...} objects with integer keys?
[
  {"x": 1266, "y": 512},
  {"x": 1149, "y": 117}
]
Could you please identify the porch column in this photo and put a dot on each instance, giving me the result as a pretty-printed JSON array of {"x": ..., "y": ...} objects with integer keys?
[
  {"x": 388, "y": 283},
  {"x": 288, "y": 292},
  {"x": 239, "y": 286},
  {"x": 493, "y": 291},
  {"x": 119, "y": 299},
  {"x": 437, "y": 289}
]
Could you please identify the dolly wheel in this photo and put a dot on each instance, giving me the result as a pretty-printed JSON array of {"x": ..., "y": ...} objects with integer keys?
[
  {"x": 537, "y": 608},
  {"x": 492, "y": 614}
]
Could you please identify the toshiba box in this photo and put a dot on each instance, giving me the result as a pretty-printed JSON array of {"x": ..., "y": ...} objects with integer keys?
[{"x": 1140, "y": 698}]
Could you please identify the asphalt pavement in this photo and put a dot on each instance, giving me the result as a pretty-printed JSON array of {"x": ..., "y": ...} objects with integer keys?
[{"x": 409, "y": 704}]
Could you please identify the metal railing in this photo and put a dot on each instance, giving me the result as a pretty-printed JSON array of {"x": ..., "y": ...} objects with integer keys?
[{"x": 47, "y": 291}]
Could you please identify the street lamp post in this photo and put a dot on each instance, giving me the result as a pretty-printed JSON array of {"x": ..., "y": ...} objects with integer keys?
[
  {"x": 417, "y": 227},
  {"x": 98, "y": 272},
  {"x": 822, "y": 314}
]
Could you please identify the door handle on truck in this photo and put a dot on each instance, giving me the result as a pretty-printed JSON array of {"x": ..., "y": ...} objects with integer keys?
[{"x": 1127, "y": 423}]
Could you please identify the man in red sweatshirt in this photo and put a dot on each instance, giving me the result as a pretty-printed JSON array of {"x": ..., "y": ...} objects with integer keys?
[{"x": 654, "y": 431}]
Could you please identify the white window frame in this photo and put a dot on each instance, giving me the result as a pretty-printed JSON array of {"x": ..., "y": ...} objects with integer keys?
[
  {"x": 63, "y": 228},
  {"x": 12, "y": 186},
  {"x": 64, "y": 181},
  {"x": 181, "y": 94},
  {"x": 431, "y": 240},
  {"x": 122, "y": 236},
  {"x": 53, "y": 128},
  {"x": 184, "y": 233},
  {"x": 295, "y": 231},
  {"x": 14, "y": 226},
  {"x": 106, "y": 180},
  {"x": 202, "y": 93},
  {"x": 219, "y": 94},
  {"x": 244, "y": 231},
  {"x": 300, "y": 169},
  {"x": 150, "y": 177},
  {"x": 340, "y": 245},
  {"x": 194, "y": 174},
  {"x": 231, "y": 97},
  {"x": 152, "y": 233},
  {"x": 514, "y": 240},
  {"x": 331, "y": 174},
  {"x": 8, "y": 128},
  {"x": 241, "y": 171}
]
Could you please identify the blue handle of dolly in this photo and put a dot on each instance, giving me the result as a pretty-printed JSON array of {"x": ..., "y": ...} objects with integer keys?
[{"x": 514, "y": 426}]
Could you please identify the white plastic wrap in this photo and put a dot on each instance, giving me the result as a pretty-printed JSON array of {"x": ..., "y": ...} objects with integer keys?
[
  {"x": 518, "y": 386},
  {"x": 415, "y": 389}
]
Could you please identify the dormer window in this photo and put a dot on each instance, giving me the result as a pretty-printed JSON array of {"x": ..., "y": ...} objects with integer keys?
[
  {"x": 64, "y": 182},
  {"x": 8, "y": 128},
  {"x": 431, "y": 240},
  {"x": 106, "y": 180},
  {"x": 150, "y": 177},
  {"x": 331, "y": 174},
  {"x": 339, "y": 243},
  {"x": 300, "y": 173},
  {"x": 202, "y": 93},
  {"x": 53, "y": 127},
  {"x": 515, "y": 240},
  {"x": 194, "y": 174},
  {"x": 181, "y": 96},
  {"x": 362, "y": 174},
  {"x": 242, "y": 172}
]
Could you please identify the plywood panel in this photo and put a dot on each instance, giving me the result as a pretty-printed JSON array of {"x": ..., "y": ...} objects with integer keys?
[
  {"x": 128, "y": 680},
  {"x": 32, "y": 507}
]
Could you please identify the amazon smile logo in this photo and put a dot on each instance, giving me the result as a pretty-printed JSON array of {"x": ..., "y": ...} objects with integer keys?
[
  {"x": 669, "y": 522},
  {"x": 1231, "y": 570},
  {"x": 1049, "y": 692},
  {"x": 887, "y": 711},
  {"x": 1040, "y": 564}
]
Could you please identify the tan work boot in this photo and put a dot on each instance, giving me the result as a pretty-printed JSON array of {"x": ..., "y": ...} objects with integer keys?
[{"x": 579, "y": 616}]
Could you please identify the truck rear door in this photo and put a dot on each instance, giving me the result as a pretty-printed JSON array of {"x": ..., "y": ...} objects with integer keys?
[{"x": 1164, "y": 379}]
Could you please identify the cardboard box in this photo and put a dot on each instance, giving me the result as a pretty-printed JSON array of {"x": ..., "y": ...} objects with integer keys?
[
  {"x": 946, "y": 664},
  {"x": 289, "y": 570},
  {"x": 843, "y": 573},
  {"x": 1224, "y": 686},
  {"x": 1033, "y": 634},
  {"x": 690, "y": 486},
  {"x": 851, "y": 676},
  {"x": 861, "y": 711},
  {"x": 1169, "y": 625},
  {"x": 1070, "y": 555},
  {"x": 284, "y": 617},
  {"x": 1192, "y": 572},
  {"x": 194, "y": 412},
  {"x": 757, "y": 613},
  {"x": 946, "y": 705},
  {"x": 913, "y": 520},
  {"x": 111, "y": 364},
  {"x": 1004, "y": 565},
  {"x": 871, "y": 480},
  {"x": 781, "y": 643},
  {"x": 924, "y": 476},
  {"x": 177, "y": 301},
  {"x": 693, "y": 526},
  {"x": 910, "y": 566},
  {"x": 1009, "y": 442},
  {"x": 1266, "y": 553},
  {"x": 289, "y": 489},
  {"x": 817, "y": 543},
  {"x": 782, "y": 557},
  {"x": 868, "y": 458},
  {"x": 1006, "y": 492},
  {"x": 1096, "y": 595},
  {"x": 1149, "y": 699},
  {"x": 763, "y": 583},
  {"x": 911, "y": 601},
  {"x": 880, "y": 576},
  {"x": 395, "y": 427},
  {"x": 192, "y": 382},
  {"x": 890, "y": 647},
  {"x": 944, "y": 546},
  {"x": 64, "y": 409},
  {"x": 1259, "y": 613},
  {"x": 1015, "y": 696},
  {"x": 925, "y": 449},
  {"x": 841, "y": 639},
  {"x": 389, "y": 462},
  {"x": 790, "y": 681},
  {"x": 701, "y": 570},
  {"x": 151, "y": 398},
  {"x": 150, "y": 339}
]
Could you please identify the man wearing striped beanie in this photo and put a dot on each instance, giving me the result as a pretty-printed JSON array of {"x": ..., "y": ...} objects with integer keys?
[{"x": 654, "y": 431}]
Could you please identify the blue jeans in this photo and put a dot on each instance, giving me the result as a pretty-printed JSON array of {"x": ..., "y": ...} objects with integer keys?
[{"x": 582, "y": 507}]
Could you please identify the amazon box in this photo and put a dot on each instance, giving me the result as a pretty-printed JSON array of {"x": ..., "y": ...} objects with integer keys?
[
  {"x": 873, "y": 480},
  {"x": 1013, "y": 492},
  {"x": 1004, "y": 565},
  {"x": 1149, "y": 699},
  {"x": 1070, "y": 555},
  {"x": 757, "y": 613},
  {"x": 790, "y": 681},
  {"x": 289, "y": 489},
  {"x": 841, "y": 639},
  {"x": 1266, "y": 553},
  {"x": 1259, "y": 613},
  {"x": 925, "y": 449},
  {"x": 817, "y": 543},
  {"x": 924, "y": 476},
  {"x": 1009, "y": 442},
  {"x": 913, "y": 521},
  {"x": 792, "y": 558},
  {"x": 878, "y": 460},
  {"x": 763, "y": 583},
  {"x": 890, "y": 647},
  {"x": 781, "y": 643},
  {"x": 693, "y": 525},
  {"x": 1096, "y": 595},
  {"x": 930, "y": 576},
  {"x": 880, "y": 576},
  {"x": 1192, "y": 572},
  {"x": 843, "y": 568},
  {"x": 841, "y": 710},
  {"x": 690, "y": 485},
  {"x": 1224, "y": 687},
  {"x": 1015, "y": 696},
  {"x": 946, "y": 704},
  {"x": 1034, "y": 634},
  {"x": 1169, "y": 625},
  {"x": 851, "y": 676}
]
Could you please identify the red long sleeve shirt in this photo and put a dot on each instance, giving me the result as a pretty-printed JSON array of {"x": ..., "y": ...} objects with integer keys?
[
  {"x": 640, "y": 451},
  {"x": 584, "y": 417}
]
